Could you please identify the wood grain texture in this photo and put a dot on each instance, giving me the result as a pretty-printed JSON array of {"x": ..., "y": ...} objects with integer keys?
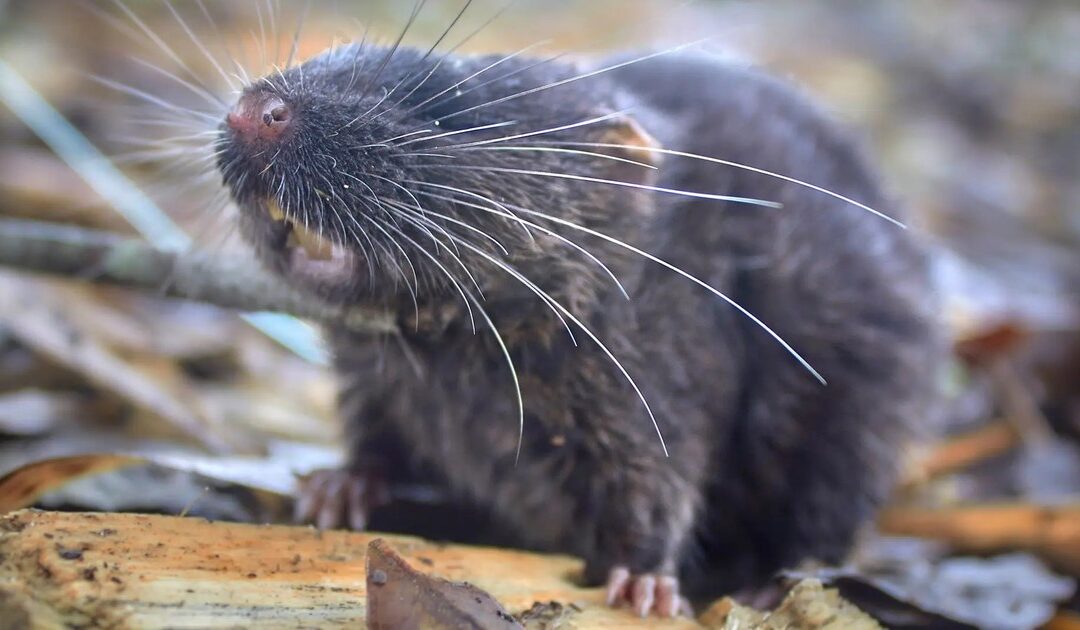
[{"x": 138, "y": 571}]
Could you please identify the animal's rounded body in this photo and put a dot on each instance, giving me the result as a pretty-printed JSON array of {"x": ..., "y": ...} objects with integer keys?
[{"x": 463, "y": 194}]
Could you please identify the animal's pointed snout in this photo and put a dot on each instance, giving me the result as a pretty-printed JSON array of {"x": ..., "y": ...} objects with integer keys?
[{"x": 259, "y": 117}]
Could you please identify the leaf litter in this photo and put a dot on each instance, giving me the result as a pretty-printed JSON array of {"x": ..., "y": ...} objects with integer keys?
[{"x": 182, "y": 409}]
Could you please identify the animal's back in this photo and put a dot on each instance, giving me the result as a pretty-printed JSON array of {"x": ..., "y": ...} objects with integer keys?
[
  {"x": 766, "y": 466},
  {"x": 796, "y": 466}
]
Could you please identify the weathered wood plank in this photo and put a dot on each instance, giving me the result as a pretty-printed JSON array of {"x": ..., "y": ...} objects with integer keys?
[{"x": 137, "y": 571}]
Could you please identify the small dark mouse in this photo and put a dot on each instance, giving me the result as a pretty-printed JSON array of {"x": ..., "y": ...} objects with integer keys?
[{"x": 492, "y": 202}]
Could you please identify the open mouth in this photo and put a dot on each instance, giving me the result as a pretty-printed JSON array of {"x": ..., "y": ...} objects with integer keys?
[{"x": 309, "y": 254}]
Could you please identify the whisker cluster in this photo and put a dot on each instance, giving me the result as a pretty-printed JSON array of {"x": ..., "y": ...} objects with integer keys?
[{"x": 412, "y": 211}]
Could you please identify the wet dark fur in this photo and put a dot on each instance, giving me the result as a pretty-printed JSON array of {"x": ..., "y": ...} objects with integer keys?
[{"x": 767, "y": 466}]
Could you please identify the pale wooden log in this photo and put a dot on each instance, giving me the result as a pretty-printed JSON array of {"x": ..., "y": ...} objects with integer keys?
[{"x": 136, "y": 571}]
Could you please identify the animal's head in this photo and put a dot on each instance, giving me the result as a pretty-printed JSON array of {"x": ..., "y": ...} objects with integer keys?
[{"x": 365, "y": 175}]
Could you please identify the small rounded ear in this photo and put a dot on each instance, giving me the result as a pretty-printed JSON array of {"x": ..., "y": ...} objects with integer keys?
[
  {"x": 624, "y": 138},
  {"x": 634, "y": 142}
]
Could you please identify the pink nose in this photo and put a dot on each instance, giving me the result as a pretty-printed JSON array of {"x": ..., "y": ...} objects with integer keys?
[{"x": 259, "y": 117}]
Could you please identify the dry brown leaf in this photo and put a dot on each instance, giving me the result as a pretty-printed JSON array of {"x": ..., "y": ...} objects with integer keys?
[
  {"x": 402, "y": 597},
  {"x": 229, "y": 487},
  {"x": 1064, "y": 620},
  {"x": 1051, "y": 532},
  {"x": 992, "y": 342},
  {"x": 961, "y": 452},
  {"x": 808, "y": 605},
  {"x": 22, "y": 487}
]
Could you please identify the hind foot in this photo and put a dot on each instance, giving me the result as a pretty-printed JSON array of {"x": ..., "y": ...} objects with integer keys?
[
  {"x": 647, "y": 592},
  {"x": 339, "y": 499}
]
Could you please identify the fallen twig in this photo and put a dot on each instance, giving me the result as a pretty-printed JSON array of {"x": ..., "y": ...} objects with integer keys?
[
  {"x": 111, "y": 259},
  {"x": 962, "y": 452},
  {"x": 1053, "y": 532}
]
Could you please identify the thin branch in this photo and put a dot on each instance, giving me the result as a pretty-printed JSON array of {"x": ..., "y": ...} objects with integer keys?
[{"x": 107, "y": 258}]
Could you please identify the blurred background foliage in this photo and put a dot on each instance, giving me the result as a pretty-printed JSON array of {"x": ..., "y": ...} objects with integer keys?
[{"x": 972, "y": 107}]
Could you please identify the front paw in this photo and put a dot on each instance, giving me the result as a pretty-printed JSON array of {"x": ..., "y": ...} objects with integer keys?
[
  {"x": 646, "y": 593},
  {"x": 339, "y": 498}
]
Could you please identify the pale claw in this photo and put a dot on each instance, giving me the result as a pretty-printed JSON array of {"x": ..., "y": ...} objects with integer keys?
[
  {"x": 333, "y": 499},
  {"x": 646, "y": 593}
]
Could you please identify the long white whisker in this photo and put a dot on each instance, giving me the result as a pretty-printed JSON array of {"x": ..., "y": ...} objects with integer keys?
[
  {"x": 222, "y": 40},
  {"x": 536, "y": 290},
  {"x": 579, "y": 77},
  {"x": 422, "y": 223},
  {"x": 453, "y": 49},
  {"x": 296, "y": 38},
  {"x": 459, "y": 223},
  {"x": 583, "y": 123},
  {"x": 378, "y": 226},
  {"x": 361, "y": 116},
  {"x": 154, "y": 100},
  {"x": 458, "y": 132},
  {"x": 535, "y": 226},
  {"x": 156, "y": 39},
  {"x": 473, "y": 76},
  {"x": 434, "y": 67},
  {"x": 359, "y": 52},
  {"x": 446, "y": 31},
  {"x": 199, "y": 44},
  {"x": 753, "y": 318},
  {"x": 612, "y": 182},
  {"x": 209, "y": 97},
  {"x": 441, "y": 267},
  {"x": 602, "y": 156},
  {"x": 513, "y": 374},
  {"x": 738, "y": 165},
  {"x": 371, "y": 260},
  {"x": 403, "y": 189},
  {"x": 474, "y": 195},
  {"x": 603, "y": 347},
  {"x": 417, "y": 7},
  {"x": 389, "y": 141}
]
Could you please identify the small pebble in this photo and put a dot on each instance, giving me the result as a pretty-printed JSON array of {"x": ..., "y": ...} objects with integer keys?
[{"x": 378, "y": 577}]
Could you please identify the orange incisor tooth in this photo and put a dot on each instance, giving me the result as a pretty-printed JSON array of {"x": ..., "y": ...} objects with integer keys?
[
  {"x": 274, "y": 210},
  {"x": 316, "y": 247}
]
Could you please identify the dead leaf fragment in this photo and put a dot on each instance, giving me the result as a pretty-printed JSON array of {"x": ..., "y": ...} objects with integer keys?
[
  {"x": 1064, "y": 620},
  {"x": 808, "y": 605},
  {"x": 961, "y": 452},
  {"x": 1050, "y": 531},
  {"x": 22, "y": 487},
  {"x": 550, "y": 615},
  {"x": 399, "y": 597}
]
